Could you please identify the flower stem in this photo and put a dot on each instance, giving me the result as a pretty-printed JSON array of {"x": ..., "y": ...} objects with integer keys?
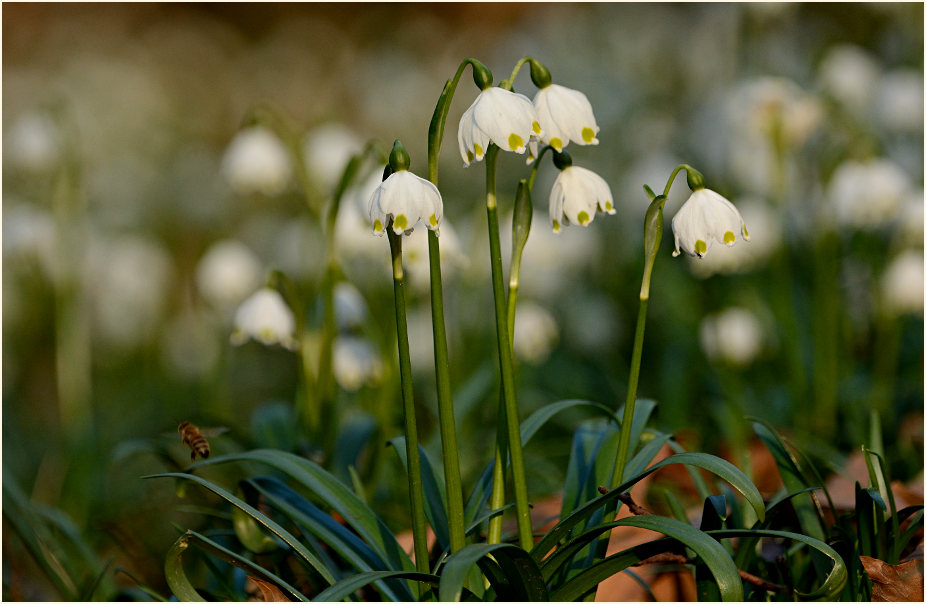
[
  {"x": 504, "y": 356},
  {"x": 415, "y": 488}
]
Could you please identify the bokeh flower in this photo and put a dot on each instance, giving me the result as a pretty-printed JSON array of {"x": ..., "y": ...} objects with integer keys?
[
  {"x": 867, "y": 194},
  {"x": 902, "y": 284},
  {"x": 266, "y": 318},
  {"x": 734, "y": 336},
  {"x": 227, "y": 273},
  {"x": 497, "y": 116},
  {"x": 535, "y": 333},
  {"x": 327, "y": 150},
  {"x": 706, "y": 217},
  {"x": 355, "y": 363},
  {"x": 257, "y": 162}
]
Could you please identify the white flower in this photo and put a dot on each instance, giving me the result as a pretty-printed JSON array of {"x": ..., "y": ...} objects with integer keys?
[
  {"x": 497, "y": 116},
  {"x": 850, "y": 75},
  {"x": 355, "y": 363},
  {"x": 899, "y": 105},
  {"x": 33, "y": 142},
  {"x": 327, "y": 150},
  {"x": 902, "y": 284},
  {"x": 565, "y": 115},
  {"x": 257, "y": 162},
  {"x": 350, "y": 308},
  {"x": 733, "y": 335},
  {"x": 766, "y": 238},
  {"x": 227, "y": 273},
  {"x": 867, "y": 194},
  {"x": 405, "y": 199},
  {"x": 706, "y": 216},
  {"x": 266, "y": 318},
  {"x": 535, "y": 333},
  {"x": 577, "y": 195}
]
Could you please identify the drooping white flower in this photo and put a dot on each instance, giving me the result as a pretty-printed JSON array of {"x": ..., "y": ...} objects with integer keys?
[
  {"x": 266, "y": 318},
  {"x": 405, "y": 199},
  {"x": 577, "y": 195},
  {"x": 257, "y": 162},
  {"x": 565, "y": 115},
  {"x": 497, "y": 116},
  {"x": 902, "y": 284},
  {"x": 227, "y": 273},
  {"x": 355, "y": 363},
  {"x": 766, "y": 238},
  {"x": 706, "y": 217},
  {"x": 733, "y": 335}
]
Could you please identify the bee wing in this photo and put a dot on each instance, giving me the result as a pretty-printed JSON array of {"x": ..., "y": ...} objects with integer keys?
[{"x": 214, "y": 431}]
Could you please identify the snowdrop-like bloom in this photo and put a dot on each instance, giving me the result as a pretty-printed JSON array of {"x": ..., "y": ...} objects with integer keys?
[
  {"x": 867, "y": 194},
  {"x": 565, "y": 115},
  {"x": 33, "y": 142},
  {"x": 327, "y": 150},
  {"x": 902, "y": 284},
  {"x": 766, "y": 238},
  {"x": 706, "y": 216},
  {"x": 733, "y": 335},
  {"x": 497, "y": 116},
  {"x": 355, "y": 363},
  {"x": 266, "y": 318},
  {"x": 405, "y": 199},
  {"x": 227, "y": 273},
  {"x": 577, "y": 195},
  {"x": 257, "y": 162},
  {"x": 850, "y": 75}
]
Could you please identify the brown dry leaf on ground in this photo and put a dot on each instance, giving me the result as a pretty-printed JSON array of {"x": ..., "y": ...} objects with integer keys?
[
  {"x": 269, "y": 591},
  {"x": 842, "y": 486},
  {"x": 895, "y": 582}
]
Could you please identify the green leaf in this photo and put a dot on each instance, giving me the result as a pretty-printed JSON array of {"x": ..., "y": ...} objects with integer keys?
[
  {"x": 707, "y": 549},
  {"x": 519, "y": 579},
  {"x": 211, "y": 547},
  {"x": 434, "y": 491},
  {"x": 175, "y": 575},
  {"x": 715, "y": 465},
  {"x": 347, "y": 545},
  {"x": 278, "y": 530},
  {"x": 835, "y": 579},
  {"x": 349, "y": 585},
  {"x": 335, "y": 494}
]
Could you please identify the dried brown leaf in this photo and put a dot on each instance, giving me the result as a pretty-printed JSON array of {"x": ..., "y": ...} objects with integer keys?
[
  {"x": 894, "y": 582},
  {"x": 270, "y": 591}
]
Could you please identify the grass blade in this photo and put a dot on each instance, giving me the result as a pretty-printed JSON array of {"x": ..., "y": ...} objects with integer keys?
[
  {"x": 524, "y": 580},
  {"x": 175, "y": 575},
  {"x": 345, "y": 587}
]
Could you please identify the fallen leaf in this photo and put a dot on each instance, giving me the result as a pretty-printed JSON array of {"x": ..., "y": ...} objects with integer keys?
[
  {"x": 894, "y": 582},
  {"x": 270, "y": 591}
]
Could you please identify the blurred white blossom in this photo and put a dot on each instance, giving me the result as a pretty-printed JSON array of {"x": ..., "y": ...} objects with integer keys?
[
  {"x": 257, "y": 162},
  {"x": 911, "y": 221},
  {"x": 130, "y": 277},
  {"x": 734, "y": 335},
  {"x": 417, "y": 262},
  {"x": 902, "y": 284},
  {"x": 867, "y": 194},
  {"x": 850, "y": 75},
  {"x": 355, "y": 363},
  {"x": 227, "y": 273},
  {"x": 33, "y": 142},
  {"x": 759, "y": 106},
  {"x": 266, "y": 318},
  {"x": 327, "y": 150},
  {"x": 350, "y": 308},
  {"x": 535, "y": 333},
  {"x": 29, "y": 233},
  {"x": 899, "y": 105}
]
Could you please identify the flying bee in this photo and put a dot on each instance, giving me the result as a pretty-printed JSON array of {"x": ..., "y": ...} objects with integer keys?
[{"x": 194, "y": 438}]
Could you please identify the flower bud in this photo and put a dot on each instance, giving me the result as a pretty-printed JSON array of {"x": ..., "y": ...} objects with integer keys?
[
  {"x": 398, "y": 158},
  {"x": 695, "y": 179},
  {"x": 481, "y": 74},
  {"x": 561, "y": 159},
  {"x": 540, "y": 75}
]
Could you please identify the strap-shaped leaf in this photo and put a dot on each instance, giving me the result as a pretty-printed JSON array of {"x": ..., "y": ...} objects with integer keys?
[
  {"x": 345, "y": 587},
  {"x": 835, "y": 580},
  {"x": 278, "y": 530},
  {"x": 521, "y": 574},
  {"x": 350, "y": 547},
  {"x": 435, "y": 496},
  {"x": 335, "y": 494},
  {"x": 720, "y": 467},
  {"x": 175, "y": 575},
  {"x": 712, "y": 553}
]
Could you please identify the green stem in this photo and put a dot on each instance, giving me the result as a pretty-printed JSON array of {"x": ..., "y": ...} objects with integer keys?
[
  {"x": 504, "y": 356},
  {"x": 447, "y": 420},
  {"x": 415, "y": 488},
  {"x": 631, "y": 399}
]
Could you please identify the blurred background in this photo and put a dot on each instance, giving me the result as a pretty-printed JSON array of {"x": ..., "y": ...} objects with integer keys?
[{"x": 140, "y": 209}]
